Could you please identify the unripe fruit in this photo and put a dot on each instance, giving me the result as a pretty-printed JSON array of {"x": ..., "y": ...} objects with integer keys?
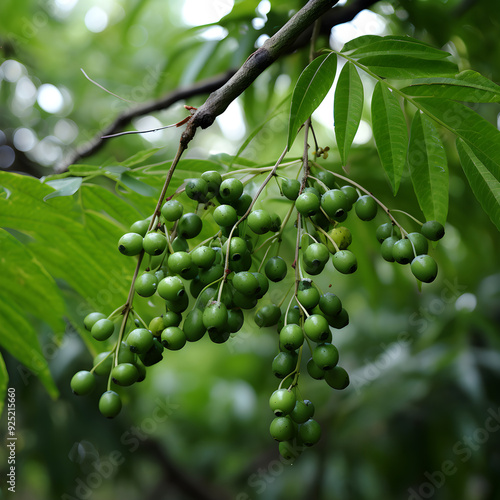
[
  {"x": 337, "y": 378},
  {"x": 197, "y": 189},
  {"x": 230, "y": 190},
  {"x": 91, "y": 319},
  {"x": 275, "y": 268},
  {"x": 193, "y": 326},
  {"x": 156, "y": 326},
  {"x": 130, "y": 244},
  {"x": 102, "y": 363},
  {"x": 316, "y": 328},
  {"x": 402, "y": 251},
  {"x": 140, "y": 227},
  {"x": 288, "y": 451},
  {"x": 146, "y": 284},
  {"x": 171, "y": 318},
  {"x": 366, "y": 207},
  {"x": 154, "y": 243},
  {"x": 419, "y": 242},
  {"x": 267, "y": 315},
  {"x": 215, "y": 317},
  {"x": 172, "y": 210},
  {"x": 291, "y": 337},
  {"x": 259, "y": 221},
  {"x": 219, "y": 336},
  {"x": 314, "y": 370},
  {"x": 102, "y": 329},
  {"x": 242, "y": 204},
  {"x": 182, "y": 264},
  {"x": 211, "y": 274},
  {"x": 309, "y": 297},
  {"x": 245, "y": 283},
  {"x": 340, "y": 320},
  {"x": 424, "y": 268},
  {"x": 290, "y": 188},
  {"x": 387, "y": 247},
  {"x": 282, "y": 402},
  {"x": 432, "y": 230},
  {"x": 350, "y": 193},
  {"x": 334, "y": 203},
  {"x": 303, "y": 411},
  {"x": 316, "y": 255},
  {"x": 173, "y": 338},
  {"x": 203, "y": 256},
  {"x": 213, "y": 180},
  {"x": 180, "y": 245},
  {"x": 330, "y": 304},
  {"x": 225, "y": 215},
  {"x": 154, "y": 355},
  {"x": 263, "y": 285},
  {"x": 327, "y": 178},
  {"x": 189, "y": 226},
  {"x": 235, "y": 320},
  {"x": 171, "y": 288},
  {"x": 282, "y": 429},
  {"x": 386, "y": 230},
  {"x": 310, "y": 432},
  {"x": 325, "y": 356},
  {"x": 110, "y": 404},
  {"x": 140, "y": 340},
  {"x": 345, "y": 262},
  {"x": 284, "y": 363},
  {"x": 307, "y": 203},
  {"x": 82, "y": 383},
  {"x": 341, "y": 236},
  {"x": 124, "y": 374},
  {"x": 179, "y": 305}
]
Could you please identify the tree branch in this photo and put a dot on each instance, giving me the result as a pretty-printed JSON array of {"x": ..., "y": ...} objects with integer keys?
[
  {"x": 261, "y": 59},
  {"x": 89, "y": 148}
]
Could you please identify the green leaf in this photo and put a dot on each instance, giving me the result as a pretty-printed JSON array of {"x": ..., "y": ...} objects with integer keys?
[
  {"x": 136, "y": 185},
  {"x": 63, "y": 187},
  {"x": 468, "y": 125},
  {"x": 484, "y": 184},
  {"x": 83, "y": 170},
  {"x": 362, "y": 42},
  {"x": 428, "y": 168},
  {"x": 4, "y": 380},
  {"x": 139, "y": 157},
  {"x": 390, "y": 133},
  {"x": 347, "y": 109},
  {"x": 359, "y": 42},
  {"x": 402, "y": 46},
  {"x": 311, "y": 88},
  {"x": 467, "y": 86},
  {"x": 401, "y": 67}
]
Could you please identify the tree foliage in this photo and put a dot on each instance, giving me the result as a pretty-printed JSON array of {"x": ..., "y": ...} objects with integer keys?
[{"x": 406, "y": 111}]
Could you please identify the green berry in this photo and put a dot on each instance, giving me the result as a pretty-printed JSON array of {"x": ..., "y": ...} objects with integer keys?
[
  {"x": 154, "y": 355},
  {"x": 180, "y": 245},
  {"x": 102, "y": 363},
  {"x": 242, "y": 204},
  {"x": 172, "y": 210},
  {"x": 124, "y": 374},
  {"x": 432, "y": 230},
  {"x": 173, "y": 338},
  {"x": 140, "y": 340},
  {"x": 230, "y": 190},
  {"x": 130, "y": 244},
  {"x": 275, "y": 268},
  {"x": 310, "y": 432},
  {"x": 340, "y": 320},
  {"x": 314, "y": 370},
  {"x": 327, "y": 178},
  {"x": 419, "y": 242},
  {"x": 316, "y": 255},
  {"x": 334, "y": 203},
  {"x": 154, "y": 243},
  {"x": 282, "y": 402},
  {"x": 140, "y": 227},
  {"x": 263, "y": 285},
  {"x": 303, "y": 411},
  {"x": 211, "y": 274},
  {"x": 215, "y": 317},
  {"x": 386, "y": 230},
  {"x": 387, "y": 247},
  {"x": 350, "y": 193},
  {"x": 341, "y": 236},
  {"x": 91, "y": 319},
  {"x": 82, "y": 383},
  {"x": 337, "y": 378},
  {"x": 182, "y": 264},
  {"x": 325, "y": 356},
  {"x": 282, "y": 429},
  {"x": 110, "y": 404},
  {"x": 309, "y": 297},
  {"x": 402, "y": 251},
  {"x": 245, "y": 283},
  {"x": 197, "y": 189},
  {"x": 267, "y": 315},
  {"x": 235, "y": 320},
  {"x": 291, "y": 337},
  {"x": 179, "y": 305},
  {"x": 366, "y": 207},
  {"x": 213, "y": 180},
  {"x": 284, "y": 363},
  {"x": 225, "y": 216},
  {"x": 259, "y": 221},
  {"x": 193, "y": 326},
  {"x": 290, "y": 188},
  {"x": 424, "y": 268},
  {"x": 171, "y": 288},
  {"x": 146, "y": 284},
  {"x": 102, "y": 329},
  {"x": 307, "y": 203},
  {"x": 189, "y": 226},
  {"x": 330, "y": 304},
  {"x": 219, "y": 336},
  {"x": 345, "y": 262},
  {"x": 203, "y": 256},
  {"x": 288, "y": 450},
  {"x": 316, "y": 328}
]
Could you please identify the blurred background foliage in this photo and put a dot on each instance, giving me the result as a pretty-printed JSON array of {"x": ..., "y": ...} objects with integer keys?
[{"x": 421, "y": 418}]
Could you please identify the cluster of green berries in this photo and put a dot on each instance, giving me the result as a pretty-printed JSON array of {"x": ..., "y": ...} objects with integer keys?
[{"x": 208, "y": 265}]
